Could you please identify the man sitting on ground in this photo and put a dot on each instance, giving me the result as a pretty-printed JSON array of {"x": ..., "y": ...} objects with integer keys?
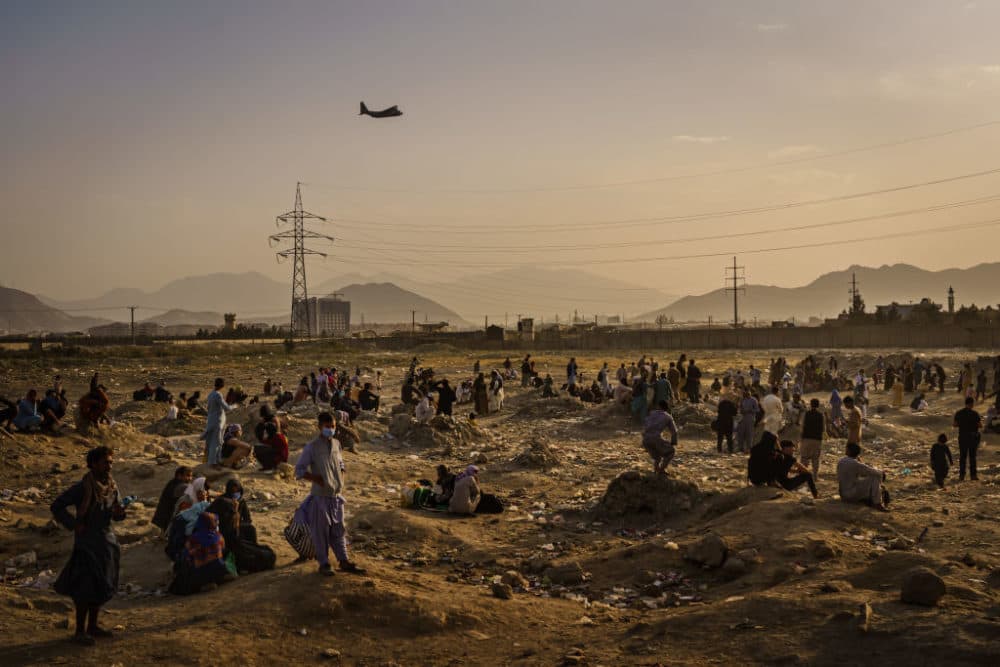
[
  {"x": 859, "y": 482},
  {"x": 161, "y": 394},
  {"x": 28, "y": 418},
  {"x": 786, "y": 464},
  {"x": 368, "y": 399}
]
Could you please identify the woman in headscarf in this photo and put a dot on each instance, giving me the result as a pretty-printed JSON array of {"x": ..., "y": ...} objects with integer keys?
[
  {"x": 466, "y": 496},
  {"x": 91, "y": 575},
  {"x": 836, "y": 405},
  {"x": 234, "y": 450},
  {"x": 897, "y": 393},
  {"x": 195, "y": 492},
  {"x": 236, "y": 526},
  {"x": 202, "y": 563}
]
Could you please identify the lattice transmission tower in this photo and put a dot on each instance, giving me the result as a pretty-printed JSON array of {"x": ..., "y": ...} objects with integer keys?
[
  {"x": 301, "y": 317},
  {"x": 737, "y": 284}
]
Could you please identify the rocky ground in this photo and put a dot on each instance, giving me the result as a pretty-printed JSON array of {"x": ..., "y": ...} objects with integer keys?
[{"x": 594, "y": 562}]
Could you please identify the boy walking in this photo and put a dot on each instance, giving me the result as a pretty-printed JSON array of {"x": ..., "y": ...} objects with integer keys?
[{"x": 940, "y": 459}]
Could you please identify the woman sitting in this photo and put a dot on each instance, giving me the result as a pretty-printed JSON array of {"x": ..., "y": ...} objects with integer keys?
[
  {"x": 238, "y": 531},
  {"x": 273, "y": 447},
  {"x": 234, "y": 450},
  {"x": 444, "y": 486},
  {"x": 466, "y": 497},
  {"x": 425, "y": 409},
  {"x": 202, "y": 563},
  {"x": 919, "y": 403}
]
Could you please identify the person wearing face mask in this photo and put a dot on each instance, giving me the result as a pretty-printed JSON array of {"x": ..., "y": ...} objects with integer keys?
[
  {"x": 322, "y": 511},
  {"x": 236, "y": 526}
]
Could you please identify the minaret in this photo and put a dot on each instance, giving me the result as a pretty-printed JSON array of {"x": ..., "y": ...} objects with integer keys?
[{"x": 951, "y": 299}]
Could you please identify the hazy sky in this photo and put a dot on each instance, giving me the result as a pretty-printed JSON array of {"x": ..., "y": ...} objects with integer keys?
[{"x": 148, "y": 141}]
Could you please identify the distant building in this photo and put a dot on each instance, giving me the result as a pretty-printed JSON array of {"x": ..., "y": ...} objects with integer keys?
[
  {"x": 123, "y": 330},
  {"x": 230, "y": 324},
  {"x": 329, "y": 316},
  {"x": 432, "y": 327}
]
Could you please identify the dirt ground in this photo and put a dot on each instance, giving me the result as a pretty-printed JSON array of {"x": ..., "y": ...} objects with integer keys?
[{"x": 593, "y": 583}]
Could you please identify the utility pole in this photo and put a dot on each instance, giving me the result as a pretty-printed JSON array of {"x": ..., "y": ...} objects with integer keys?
[
  {"x": 738, "y": 284},
  {"x": 301, "y": 318},
  {"x": 413, "y": 321},
  {"x": 486, "y": 322},
  {"x": 132, "y": 310}
]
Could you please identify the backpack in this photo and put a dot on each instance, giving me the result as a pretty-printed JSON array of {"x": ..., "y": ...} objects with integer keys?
[{"x": 489, "y": 504}]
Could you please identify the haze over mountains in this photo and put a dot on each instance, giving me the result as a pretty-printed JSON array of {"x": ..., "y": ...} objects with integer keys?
[
  {"x": 464, "y": 301},
  {"x": 828, "y": 295}
]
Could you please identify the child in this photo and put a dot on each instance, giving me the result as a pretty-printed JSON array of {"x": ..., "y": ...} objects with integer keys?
[{"x": 940, "y": 459}]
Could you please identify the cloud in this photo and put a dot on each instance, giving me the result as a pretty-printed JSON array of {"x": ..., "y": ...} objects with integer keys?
[
  {"x": 793, "y": 151},
  {"x": 771, "y": 27},
  {"x": 692, "y": 139}
]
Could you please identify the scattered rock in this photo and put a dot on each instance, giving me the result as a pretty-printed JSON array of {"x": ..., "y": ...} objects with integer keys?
[
  {"x": 734, "y": 568},
  {"x": 922, "y": 586},
  {"x": 331, "y": 654},
  {"x": 514, "y": 579},
  {"x": 286, "y": 470},
  {"x": 502, "y": 591},
  {"x": 823, "y": 550},
  {"x": 710, "y": 551},
  {"x": 538, "y": 454},
  {"x": 568, "y": 574},
  {"x": 836, "y": 586}
]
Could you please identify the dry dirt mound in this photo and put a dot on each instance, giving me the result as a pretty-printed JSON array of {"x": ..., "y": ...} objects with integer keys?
[
  {"x": 441, "y": 432},
  {"x": 538, "y": 454},
  {"x": 634, "y": 493},
  {"x": 548, "y": 408}
]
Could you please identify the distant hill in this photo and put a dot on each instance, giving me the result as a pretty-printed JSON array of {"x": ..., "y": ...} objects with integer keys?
[
  {"x": 176, "y": 316},
  {"x": 387, "y": 303},
  {"x": 828, "y": 295},
  {"x": 21, "y": 312},
  {"x": 250, "y": 295},
  {"x": 529, "y": 290}
]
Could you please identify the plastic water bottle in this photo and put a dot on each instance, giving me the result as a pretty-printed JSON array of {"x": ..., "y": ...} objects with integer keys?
[{"x": 128, "y": 500}]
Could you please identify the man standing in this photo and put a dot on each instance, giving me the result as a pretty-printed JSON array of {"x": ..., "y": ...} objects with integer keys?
[
  {"x": 693, "y": 382},
  {"x": 215, "y": 424},
  {"x": 854, "y": 420},
  {"x": 813, "y": 429},
  {"x": 659, "y": 449},
  {"x": 674, "y": 378},
  {"x": 969, "y": 423},
  {"x": 571, "y": 372},
  {"x": 91, "y": 575},
  {"x": 774, "y": 411},
  {"x": 323, "y": 509},
  {"x": 724, "y": 422}
]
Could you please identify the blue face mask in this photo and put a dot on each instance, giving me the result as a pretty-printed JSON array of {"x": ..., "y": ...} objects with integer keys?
[
  {"x": 237, "y": 495},
  {"x": 328, "y": 432}
]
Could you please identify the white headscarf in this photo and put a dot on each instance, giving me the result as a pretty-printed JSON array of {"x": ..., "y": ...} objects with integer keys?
[{"x": 192, "y": 490}]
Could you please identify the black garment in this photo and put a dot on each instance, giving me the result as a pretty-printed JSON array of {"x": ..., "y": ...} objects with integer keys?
[
  {"x": 792, "y": 483},
  {"x": 728, "y": 436},
  {"x": 168, "y": 500},
  {"x": 240, "y": 534},
  {"x": 726, "y": 414},
  {"x": 142, "y": 394},
  {"x": 813, "y": 425},
  {"x": 967, "y": 420},
  {"x": 940, "y": 462},
  {"x": 968, "y": 446},
  {"x": 368, "y": 400},
  {"x": 410, "y": 395},
  {"x": 940, "y": 474},
  {"x": 446, "y": 399},
  {"x": 761, "y": 465},
  {"x": 161, "y": 395},
  {"x": 91, "y": 575},
  {"x": 192, "y": 402}
]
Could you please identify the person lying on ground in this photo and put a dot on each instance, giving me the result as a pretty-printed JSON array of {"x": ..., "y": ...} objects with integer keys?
[
  {"x": 859, "y": 482},
  {"x": 787, "y": 464},
  {"x": 171, "y": 493},
  {"x": 238, "y": 531},
  {"x": 234, "y": 450},
  {"x": 660, "y": 450},
  {"x": 467, "y": 494}
]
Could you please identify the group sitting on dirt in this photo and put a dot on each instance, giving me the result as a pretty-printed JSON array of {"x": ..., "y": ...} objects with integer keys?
[{"x": 209, "y": 541}]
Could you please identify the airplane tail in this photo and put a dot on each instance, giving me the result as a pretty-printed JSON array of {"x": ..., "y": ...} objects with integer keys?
[{"x": 364, "y": 109}]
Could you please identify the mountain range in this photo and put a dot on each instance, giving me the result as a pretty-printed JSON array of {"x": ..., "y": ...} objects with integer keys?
[
  {"x": 828, "y": 295},
  {"x": 22, "y": 312}
]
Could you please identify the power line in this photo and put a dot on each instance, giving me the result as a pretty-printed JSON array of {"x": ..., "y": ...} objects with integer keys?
[
  {"x": 678, "y": 177},
  {"x": 692, "y": 217},
  {"x": 976, "y": 225},
  {"x": 445, "y": 249}
]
